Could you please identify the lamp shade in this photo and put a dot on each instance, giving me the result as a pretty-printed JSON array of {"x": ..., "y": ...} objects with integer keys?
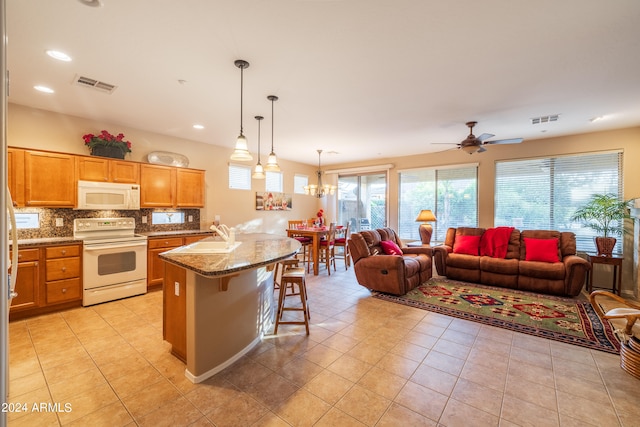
[{"x": 426, "y": 215}]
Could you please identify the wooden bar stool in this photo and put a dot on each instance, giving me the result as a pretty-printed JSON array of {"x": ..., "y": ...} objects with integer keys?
[{"x": 286, "y": 277}]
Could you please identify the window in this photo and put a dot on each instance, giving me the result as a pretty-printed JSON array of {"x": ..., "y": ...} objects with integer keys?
[
  {"x": 273, "y": 181},
  {"x": 299, "y": 182},
  {"x": 239, "y": 177},
  {"x": 159, "y": 218},
  {"x": 450, "y": 192},
  {"x": 544, "y": 193}
]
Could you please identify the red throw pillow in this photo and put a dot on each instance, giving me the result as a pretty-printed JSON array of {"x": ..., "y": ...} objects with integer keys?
[
  {"x": 390, "y": 248},
  {"x": 543, "y": 250},
  {"x": 468, "y": 245}
]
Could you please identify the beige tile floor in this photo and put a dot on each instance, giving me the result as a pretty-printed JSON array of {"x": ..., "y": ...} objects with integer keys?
[{"x": 366, "y": 363}]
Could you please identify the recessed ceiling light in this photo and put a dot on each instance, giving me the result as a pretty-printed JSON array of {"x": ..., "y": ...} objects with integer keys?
[
  {"x": 91, "y": 3},
  {"x": 198, "y": 127},
  {"x": 44, "y": 89},
  {"x": 60, "y": 56}
]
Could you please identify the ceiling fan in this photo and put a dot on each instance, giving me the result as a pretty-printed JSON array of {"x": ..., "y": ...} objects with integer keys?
[{"x": 476, "y": 145}]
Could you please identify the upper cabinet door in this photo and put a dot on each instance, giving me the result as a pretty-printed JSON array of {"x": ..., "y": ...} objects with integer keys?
[
  {"x": 157, "y": 186},
  {"x": 190, "y": 188},
  {"x": 15, "y": 172},
  {"x": 50, "y": 179},
  {"x": 93, "y": 169},
  {"x": 125, "y": 172}
]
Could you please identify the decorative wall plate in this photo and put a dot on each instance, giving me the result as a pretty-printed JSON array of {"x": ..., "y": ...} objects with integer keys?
[{"x": 168, "y": 159}]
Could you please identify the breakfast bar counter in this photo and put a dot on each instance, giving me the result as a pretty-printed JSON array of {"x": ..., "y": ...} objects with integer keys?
[{"x": 218, "y": 300}]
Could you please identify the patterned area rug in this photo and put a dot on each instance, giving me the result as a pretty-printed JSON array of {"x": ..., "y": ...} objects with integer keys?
[{"x": 568, "y": 320}]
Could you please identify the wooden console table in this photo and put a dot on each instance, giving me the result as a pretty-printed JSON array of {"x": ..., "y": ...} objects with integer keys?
[{"x": 616, "y": 262}]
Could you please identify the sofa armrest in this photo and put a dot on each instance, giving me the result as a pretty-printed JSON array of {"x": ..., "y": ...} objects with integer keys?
[
  {"x": 384, "y": 273},
  {"x": 440, "y": 254},
  {"x": 576, "y": 270}
]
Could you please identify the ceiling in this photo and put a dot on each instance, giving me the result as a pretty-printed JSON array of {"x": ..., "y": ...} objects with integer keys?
[{"x": 360, "y": 79}]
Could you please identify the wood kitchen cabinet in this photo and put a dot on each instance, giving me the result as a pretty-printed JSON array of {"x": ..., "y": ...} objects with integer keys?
[
  {"x": 174, "y": 320},
  {"x": 62, "y": 274},
  {"x": 28, "y": 282},
  {"x": 155, "y": 266},
  {"x": 90, "y": 168},
  {"x": 189, "y": 188},
  {"x": 157, "y": 186},
  {"x": 15, "y": 175},
  {"x": 50, "y": 179},
  {"x": 49, "y": 279},
  {"x": 157, "y": 245}
]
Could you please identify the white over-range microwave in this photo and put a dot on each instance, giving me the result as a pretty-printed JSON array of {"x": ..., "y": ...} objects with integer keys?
[{"x": 108, "y": 196}]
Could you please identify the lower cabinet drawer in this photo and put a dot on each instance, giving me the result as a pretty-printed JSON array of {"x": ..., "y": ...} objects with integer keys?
[
  {"x": 63, "y": 268},
  {"x": 63, "y": 290}
]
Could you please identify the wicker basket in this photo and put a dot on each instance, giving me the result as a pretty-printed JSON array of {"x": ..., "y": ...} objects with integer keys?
[{"x": 630, "y": 356}]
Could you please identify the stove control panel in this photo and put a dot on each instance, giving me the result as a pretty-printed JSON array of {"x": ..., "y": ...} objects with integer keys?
[{"x": 103, "y": 224}]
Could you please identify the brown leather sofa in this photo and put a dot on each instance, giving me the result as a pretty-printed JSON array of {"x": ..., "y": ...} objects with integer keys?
[
  {"x": 565, "y": 277},
  {"x": 393, "y": 274}
]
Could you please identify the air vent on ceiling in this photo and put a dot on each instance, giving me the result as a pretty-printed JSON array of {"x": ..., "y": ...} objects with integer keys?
[
  {"x": 95, "y": 84},
  {"x": 544, "y": 119}
]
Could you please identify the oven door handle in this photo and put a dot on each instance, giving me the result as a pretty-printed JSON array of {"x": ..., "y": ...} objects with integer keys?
[{"x": 99, "y": 247}]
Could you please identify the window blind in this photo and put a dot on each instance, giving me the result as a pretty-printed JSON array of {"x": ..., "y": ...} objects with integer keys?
[
  {"x": 239, "y": 177},
  {"x": 544, "y": 193},
  {"x": 273, "y": 181}
]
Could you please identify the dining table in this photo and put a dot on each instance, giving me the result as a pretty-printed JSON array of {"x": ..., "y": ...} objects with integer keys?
[{"x": 316, "y": 234}]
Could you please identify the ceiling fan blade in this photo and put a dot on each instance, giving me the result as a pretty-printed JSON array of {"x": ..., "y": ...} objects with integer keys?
[
  {"x": 481, "y": 150},
  {"x": 506, "y": 141},
  {"x": 484, "y": 136},
  {"x": 445, "y": 143}
]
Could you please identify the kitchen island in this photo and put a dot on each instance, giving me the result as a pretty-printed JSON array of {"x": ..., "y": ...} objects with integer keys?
[{"x": 219, "y": 302}]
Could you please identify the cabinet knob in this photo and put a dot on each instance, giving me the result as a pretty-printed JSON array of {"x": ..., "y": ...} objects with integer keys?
[
  {"x": 64, "y": 290},
  {"x": 64, "y": 252},
  {"x": 19, "y": 256},
  {"x": 64, "y": 268}
]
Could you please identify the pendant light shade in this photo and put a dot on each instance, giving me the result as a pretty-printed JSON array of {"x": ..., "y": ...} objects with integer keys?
[
  {"x": 241, "y": 152},
  {"x": 272, "y": 161},
  {"x": 319, "y": 190},
  {"x": 258, "y": 171}
]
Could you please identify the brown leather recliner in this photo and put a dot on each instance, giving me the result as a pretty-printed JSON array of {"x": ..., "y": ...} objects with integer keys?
[{"x": 393, "y": 274}]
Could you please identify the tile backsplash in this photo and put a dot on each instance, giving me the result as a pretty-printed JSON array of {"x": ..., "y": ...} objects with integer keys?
[{"x": 49, "y": 229}]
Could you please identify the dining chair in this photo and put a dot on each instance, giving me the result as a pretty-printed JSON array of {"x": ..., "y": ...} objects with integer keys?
[
  {"x": 327, "y": 249},
  {"x": 342, "y": 241},
  {"x": 304, "y": 240}
]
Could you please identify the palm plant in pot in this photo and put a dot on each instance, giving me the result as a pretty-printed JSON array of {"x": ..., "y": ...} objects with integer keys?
[{"x": 605, "y": 214}]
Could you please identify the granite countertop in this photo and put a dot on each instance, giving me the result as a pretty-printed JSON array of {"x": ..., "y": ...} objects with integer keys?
[
  {"x": 44, "y": 241},
  {"x": 152, "y": 234},
  {"x": 256, "y": 250}
]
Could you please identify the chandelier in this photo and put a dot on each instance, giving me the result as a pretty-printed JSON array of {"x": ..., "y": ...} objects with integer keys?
[{"x": 319, "y": 190}]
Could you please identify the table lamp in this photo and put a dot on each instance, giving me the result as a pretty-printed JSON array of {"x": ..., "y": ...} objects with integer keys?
[{"x": 425, "y": 216}]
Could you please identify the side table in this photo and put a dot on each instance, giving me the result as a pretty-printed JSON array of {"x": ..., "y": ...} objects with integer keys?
[{"x": 616, "y": 262}]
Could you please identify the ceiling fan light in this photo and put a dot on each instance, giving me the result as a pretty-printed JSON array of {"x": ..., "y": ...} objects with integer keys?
[{"x": 470, "y": 148}]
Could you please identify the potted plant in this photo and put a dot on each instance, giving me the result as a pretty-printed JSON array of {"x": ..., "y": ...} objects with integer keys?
[
  {"x": 106, "y": 145},
  {"x": 605, "y": 214}
]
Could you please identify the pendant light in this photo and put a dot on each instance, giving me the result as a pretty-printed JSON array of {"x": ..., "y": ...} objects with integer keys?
[
  {"x": 258, "y": 171},
  {"x": 319, "y": 190},
  {"x": 241, "y": 152},
  {"x": 272, "y": 161}
]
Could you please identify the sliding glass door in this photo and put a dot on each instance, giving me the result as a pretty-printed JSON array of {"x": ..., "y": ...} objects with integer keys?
[{"x": 362, "y": 201}]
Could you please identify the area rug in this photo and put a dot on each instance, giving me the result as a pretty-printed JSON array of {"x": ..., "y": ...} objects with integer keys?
[{"x": 569, "y": 320}]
